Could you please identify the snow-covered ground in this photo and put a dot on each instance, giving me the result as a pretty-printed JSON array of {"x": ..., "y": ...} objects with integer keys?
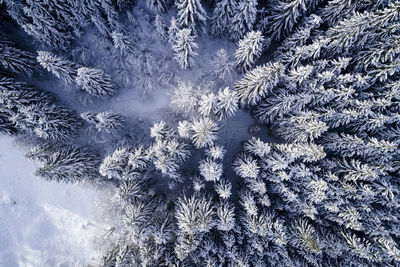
[{"x": 42, "y": 223}]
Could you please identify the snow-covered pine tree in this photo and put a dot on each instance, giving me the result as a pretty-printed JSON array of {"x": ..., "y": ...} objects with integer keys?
[
  {"x": 191, "y": 15},
  {"x": 49, "y": 27},
  {"x": 173, "y": 30},
  {"x": 210, "y": 169},
  {"x": 65, "y": 163},
  {"x": 249, "y": 50},
  {"x": 107, "y": 122},
  {"x": 258, "y": 82},
  {"x": 285, "y": 15},
  {"x": 226, "y": 104},
  {"x": 122, "y": 43},
  {"x": 222, "y": 65},
  {"x": 95, "y": 82},
  {"x": 223, "y": 12},
  {"x": 32, "y": 111},
  {"x": 161, "y": 29},
  {"x": 184, "y": 48},
  {"x": 185, "y": 98},
  {"x": 16, "y": 60},
  {"x": 299, "y": 38},
  {"x": 205, "y": 132},
  {"x": 158, "y": 6},
  {"x": 61, "y": 68},
  {"x": 244, "y": 18}
]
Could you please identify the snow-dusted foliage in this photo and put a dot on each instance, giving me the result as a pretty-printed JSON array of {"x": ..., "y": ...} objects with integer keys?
[
  {"x": 191, "y": 15},
  {"x": 243, "y": 19},
  {"x": 210, "y": 170},
  {"x": 185, "y": 98},
  {"x": 103, "y": 125},
  {"x": 27, "y": 110},
  {"x": 16, "y": 60},
  {"x": 205, "y": 132},
  {"x": 95, "y": 82},
  {"x": 63, "y": 69},
  {"x": 222, "y": 65},
  {"x": 67, "y": 163},
  {"x": 249, "y": 50},
  {"x": 157, "y": 5},
  {"x": 184, "y": 48},
  {"x": 223, "y": 12},
  {"x": 305, "y": 174}
]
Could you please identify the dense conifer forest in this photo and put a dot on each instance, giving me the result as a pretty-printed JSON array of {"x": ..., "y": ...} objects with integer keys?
[{"x": 216, "y": 132}]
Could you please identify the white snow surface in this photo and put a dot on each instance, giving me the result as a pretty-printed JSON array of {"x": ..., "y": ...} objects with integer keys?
[{"x": 42, "y": 223}]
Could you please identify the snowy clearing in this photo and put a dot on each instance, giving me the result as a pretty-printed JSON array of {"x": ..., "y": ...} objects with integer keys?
[{"x": 42, "y": 223}]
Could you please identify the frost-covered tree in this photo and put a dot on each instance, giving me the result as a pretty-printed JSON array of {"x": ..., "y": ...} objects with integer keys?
[
  {"x": 105, "y": 122},
  {"x": 122, "y": 43},
  {"x": 244, "y": 18},
  {"x": 168, "y": 153},
  {"x": 285, "y": 15},
  {"x": 205, "y": 132},
  {"x": 158, "y": 6},
  {"x": 61, "y": 68},
  {"x": 226, "y": 104},
  {"x": 185, "y": 98},
  {"x": 32, "y": 111},
  {"x": 223, "y": 12},
  {"x": 210, "y": 170},
  {"x": 95, "y": 82},
  {"x": 184, "y": 48},
  {"x": 249, "y": 50},
  {"x": 258, "y": 82},
  {"x": 16, "y": 60},
  {"x": 222, "y": 65},
  {"x": 65, "y": 163},
  {"x": 173, "y": 30},
  {"x": 191, "y": 15},
  {"x": 161, "y": 28}
]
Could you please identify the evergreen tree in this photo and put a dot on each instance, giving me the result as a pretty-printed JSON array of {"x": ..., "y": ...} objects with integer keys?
[
  {"x": 95, "y": 82},
  {"x": 66, "y": 163},
  {"x": 184, "y": 49},
  {"x": 107, "y": 122},
  {"x": 204, "y": 132},
  {"x": 31, "y": 111},
  {"x": 222, "y": 65},
  {"x": 173, "y": 30},
  {"x": 156, "y": 5},
  {"x": 223, "y": 12},
  {"x": 161, "y": 28},
  {"x": 244, "y": 18},
  {"x": 285, "y": 16},
  {"x": 191, "y": 15},
  {"x": 210, "y": 170},
  {"x": 258, "y": 83},
  {"x": 62, "y": 69},
  {"x": 122, "y": 43},
  {"x": 16, "y": 60},
  {"x": 249, "y": 50}
]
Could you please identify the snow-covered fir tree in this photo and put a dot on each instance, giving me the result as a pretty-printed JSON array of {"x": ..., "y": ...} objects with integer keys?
[
  {"x": 66, "y": 163},
  {"x": 61, "y": 68},
  {"x": 191, "y": 15},
  {"x": 249, "y": 49},
  {"x": 184, "y": 48},
  {"x": 95, "y": 82},
  {"x": 244, "y": 18},
  {"x": 223, "y": 12},
  {"x": 222, "y": 65},
  {"x": 158, "y": 6}
]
